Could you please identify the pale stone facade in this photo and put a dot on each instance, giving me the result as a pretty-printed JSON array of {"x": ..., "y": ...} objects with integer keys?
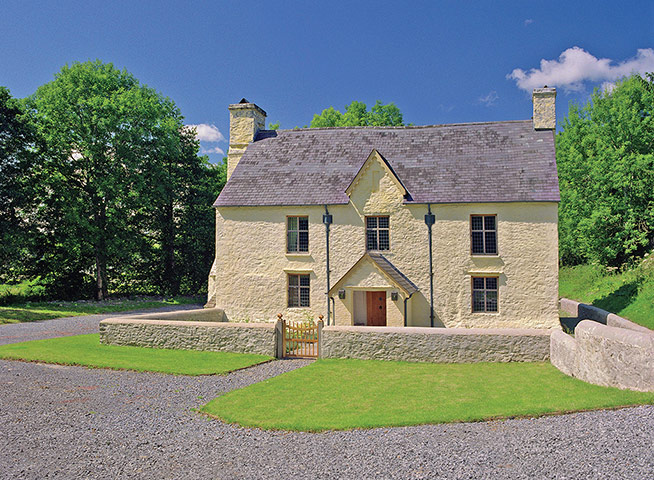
[{"x": 250, "y": 275}]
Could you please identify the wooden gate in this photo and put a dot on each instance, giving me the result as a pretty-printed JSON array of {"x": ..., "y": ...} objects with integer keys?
[{"x": 301, "y": 340}]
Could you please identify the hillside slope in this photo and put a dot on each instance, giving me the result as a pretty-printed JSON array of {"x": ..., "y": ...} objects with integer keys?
[{"x": 629, "y": 294}]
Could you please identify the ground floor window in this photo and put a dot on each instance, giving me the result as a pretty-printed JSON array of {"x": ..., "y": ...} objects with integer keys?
[
  {"x": 298, "y": 290},
  {"x": 484, "y": 294}
]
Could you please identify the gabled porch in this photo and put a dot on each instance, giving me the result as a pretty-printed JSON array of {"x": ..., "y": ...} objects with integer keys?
[{"x": 373, "y": 292}]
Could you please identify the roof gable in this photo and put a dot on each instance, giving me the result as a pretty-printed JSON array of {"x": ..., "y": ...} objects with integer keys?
[{"x": 375, "y": 156}]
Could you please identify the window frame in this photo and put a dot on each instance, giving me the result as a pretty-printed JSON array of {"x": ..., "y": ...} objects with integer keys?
[
  {"x": 365, "y": 237},
  {"x": 297, "y": 252},
  {"x": 485, "y": 290},
  {"x": 497, "y": 248},
  {"x": 299, "y": 288}
]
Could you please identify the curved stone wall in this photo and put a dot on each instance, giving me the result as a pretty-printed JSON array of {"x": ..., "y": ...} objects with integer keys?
[{"x": 605, "y": 350}]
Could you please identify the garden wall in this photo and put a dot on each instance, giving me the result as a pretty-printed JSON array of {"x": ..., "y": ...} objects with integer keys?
[
  {"x": 605, "y": 350},
  {"x": 438, "y": 345},
  {"x": 190, "y": 335},
  {"x": 413, "y": 344}
]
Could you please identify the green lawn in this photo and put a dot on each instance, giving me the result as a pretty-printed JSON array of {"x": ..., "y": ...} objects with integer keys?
[
  {"x": 346, "y": 394},
  {"x": 33, "y": 312},
  {"x": 87, "y": 351},
  {"x": 629, "y": 294}
]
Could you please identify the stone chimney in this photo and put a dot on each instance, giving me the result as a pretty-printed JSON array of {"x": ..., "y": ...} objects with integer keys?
[
  {"x": 245, "y": 120},
  {"x": 544, "y": 108}
]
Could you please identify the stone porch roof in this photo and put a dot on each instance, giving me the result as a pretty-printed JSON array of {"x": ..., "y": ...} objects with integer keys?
[{"x": 384, "y": 265}]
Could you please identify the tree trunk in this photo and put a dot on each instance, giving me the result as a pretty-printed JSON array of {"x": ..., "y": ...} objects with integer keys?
[
  {"x": 171, "y": 279},
  {"x": 101, "y": 277},
  {"x": 101, "y": 254}
]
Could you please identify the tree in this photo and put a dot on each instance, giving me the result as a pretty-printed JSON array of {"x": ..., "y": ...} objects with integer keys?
[
  {"x": 605, "y": 157},
  {"x": 104, "y": 133},
  {"x": 357, "y": 114},
  {"x": 17, "y": 154}
]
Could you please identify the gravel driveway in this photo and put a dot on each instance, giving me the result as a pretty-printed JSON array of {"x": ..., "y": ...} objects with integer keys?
[{"x": 72, "y": 422}]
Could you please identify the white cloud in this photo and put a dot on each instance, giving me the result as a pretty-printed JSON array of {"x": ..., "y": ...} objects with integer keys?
[
  {"x": 217, "y": 150},
  {"x": 529, "y": 21},
  {"x": 208, "y": 133},
  {"x": 490, "y": 99},
  {"x": 576, "y": 66}
]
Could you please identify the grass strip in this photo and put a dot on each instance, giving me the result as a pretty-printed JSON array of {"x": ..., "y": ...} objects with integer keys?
[
  {"x": 34, "y": 312},
  {"x": 347, "y": 394},
  {"x": 87, "y": 351}
]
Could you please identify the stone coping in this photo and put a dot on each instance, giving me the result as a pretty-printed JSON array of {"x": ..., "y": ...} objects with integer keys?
[
  {"x": 443, "y": 331},
  {"x": 198, "y": 314},
  {"x": 135, "y": 320}
]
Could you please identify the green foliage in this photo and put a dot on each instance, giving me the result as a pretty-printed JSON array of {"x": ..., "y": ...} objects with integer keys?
[
  {"x": 86, "y": 350},
  {"x": 369, "y": 394},
  {"x": 357, "y": 114},
  {"x": 119, "y": 200},
  {"x": 605, "y": 157},
  {"x": 273, "y": 126},
  {"x": 628, "y": 293},
  {"x": 17, "y": 155},
  {"x": 21, "y": 292}
]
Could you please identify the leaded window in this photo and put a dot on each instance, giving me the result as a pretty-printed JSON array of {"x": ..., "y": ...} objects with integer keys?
[
  {"x": 484, "y": 234},
  {"x": 298, "y": 290},
  {"x": 297, "y": 234},
  {"x": 484, "y": 294},
  {"x": 377, "y": 233}
]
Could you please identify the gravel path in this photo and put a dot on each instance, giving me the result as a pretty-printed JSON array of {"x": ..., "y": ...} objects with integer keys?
[
  {"x": 62, "y": 327},
  {"x": 72, "y": 422}
]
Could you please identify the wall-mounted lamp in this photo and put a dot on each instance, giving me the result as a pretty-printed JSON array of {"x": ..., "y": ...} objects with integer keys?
[
  {"x": 394, "y": 296},
  {"x": 341, "y": 293}
]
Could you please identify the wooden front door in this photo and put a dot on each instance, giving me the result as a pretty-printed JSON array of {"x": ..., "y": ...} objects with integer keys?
[{"x": 376, "y": 307}]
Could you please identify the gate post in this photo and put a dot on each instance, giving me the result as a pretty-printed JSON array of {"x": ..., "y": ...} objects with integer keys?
[
  {"x": 320, "y": 325},
  {"x": 279, "y": 337}
]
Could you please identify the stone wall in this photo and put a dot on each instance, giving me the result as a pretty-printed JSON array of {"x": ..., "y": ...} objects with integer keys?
[
  {"x": 413, "y": 344},
  {"x": 438, "y": 345},
  {"x": 190, "y": 335},
  {"x": 606, "y": 349}
]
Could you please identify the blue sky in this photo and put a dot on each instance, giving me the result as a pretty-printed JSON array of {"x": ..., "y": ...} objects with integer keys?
[{"x": 439, "y": 61}]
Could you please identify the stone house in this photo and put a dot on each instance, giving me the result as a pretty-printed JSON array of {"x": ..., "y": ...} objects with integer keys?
[{"x": 439, "y": 225}]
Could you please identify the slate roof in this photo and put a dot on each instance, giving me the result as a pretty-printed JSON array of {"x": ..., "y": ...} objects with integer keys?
[{"x": 459, "y": 163}]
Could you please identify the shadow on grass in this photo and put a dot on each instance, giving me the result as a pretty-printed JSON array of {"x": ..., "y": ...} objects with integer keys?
[{"x": 620, "y": 299}]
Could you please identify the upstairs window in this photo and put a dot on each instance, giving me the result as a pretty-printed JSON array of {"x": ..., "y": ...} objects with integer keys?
[
  {"x": 298, "y": 290},
  {"x": 297, "y": 234},
  {"x": 484, "y": 234},
  {"x": 377, "y": 233},
  {"x": 484, "y": 294}
]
